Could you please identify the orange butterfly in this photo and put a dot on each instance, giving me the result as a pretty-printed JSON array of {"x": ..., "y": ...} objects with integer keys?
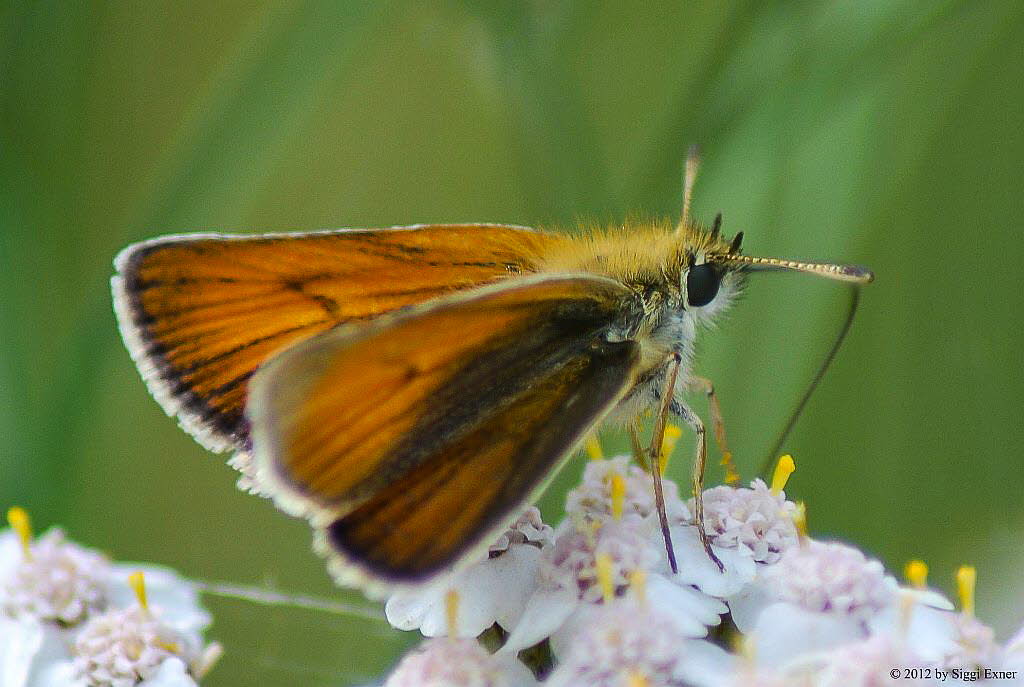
[{"x": 409, "y": 389}]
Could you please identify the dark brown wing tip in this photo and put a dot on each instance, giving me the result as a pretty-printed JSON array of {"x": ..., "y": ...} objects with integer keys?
[{"x": 161, "y": 379}]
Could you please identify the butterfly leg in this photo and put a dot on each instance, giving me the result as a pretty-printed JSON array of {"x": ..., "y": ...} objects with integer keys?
[
  {"x": 705, "y": 386},
  {"x": 690, "y": 418},
  {"x": 654, "y": 453}
]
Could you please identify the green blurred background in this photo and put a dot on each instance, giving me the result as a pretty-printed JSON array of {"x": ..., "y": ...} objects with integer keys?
[{"x": 884, "y": 133}]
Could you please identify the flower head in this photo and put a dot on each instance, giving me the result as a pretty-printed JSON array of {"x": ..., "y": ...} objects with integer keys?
[
  {"x": 757, "y": 521},
  {"x": 572, "y": 562},
  {"x": 598, "y": 565},
  {"x": 57, "y": 581},
  {"x": 69, "y": 617},
  {"x": 831, "y": 578},
  {"x": 612, "y": 488},
  {"x": 125, "y": 646},
  {"x": 818, "y": 596},
  {"x": 600, "y": 603}
]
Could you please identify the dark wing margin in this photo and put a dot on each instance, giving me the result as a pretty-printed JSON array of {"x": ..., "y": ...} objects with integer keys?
[{"x": 463, "y": 409}]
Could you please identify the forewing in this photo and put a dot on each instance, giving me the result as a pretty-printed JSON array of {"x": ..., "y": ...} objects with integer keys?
[
  {"x": 412, "y": 439},
  {"x": 200, "y": 313}
]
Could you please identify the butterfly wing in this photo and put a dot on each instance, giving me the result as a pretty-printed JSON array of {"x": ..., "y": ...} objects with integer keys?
[
  {"x": 200, "y": 313},
  {"x": 409, "y": 440}
]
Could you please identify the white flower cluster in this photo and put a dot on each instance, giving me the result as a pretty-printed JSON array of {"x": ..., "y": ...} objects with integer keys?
[
  {"x": 595, "y": 603},
  {"x": 70, "y": 618}
]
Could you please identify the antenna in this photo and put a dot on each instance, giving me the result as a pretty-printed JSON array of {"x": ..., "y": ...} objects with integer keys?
[
  {"x": 689, "y": 179},
  {"x": 829, "y": 270}
]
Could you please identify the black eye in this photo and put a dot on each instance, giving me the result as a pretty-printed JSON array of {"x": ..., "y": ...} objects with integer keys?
[{"x": 702, "y": 284}]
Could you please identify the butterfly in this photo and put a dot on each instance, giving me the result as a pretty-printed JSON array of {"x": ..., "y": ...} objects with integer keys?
[{"x": 409, "y": 390}]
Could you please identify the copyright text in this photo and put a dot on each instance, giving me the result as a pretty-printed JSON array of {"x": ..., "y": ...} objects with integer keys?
[{"x": 952, "y": 674}]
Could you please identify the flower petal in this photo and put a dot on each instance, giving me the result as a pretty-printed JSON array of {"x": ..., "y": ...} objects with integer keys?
[
  {"x": 494, "y": 590},
  {"x": 928, "y": 597},
  {"x": 706, "y": 664},
  {"x": 171, "y": 673},
  {"x": 929, "y": 633},
  {"x": 476, "y": 607},
  {"x": 691, "y": 610},
  {"x": 10, "y": 554},
  {"x": 59, "y": 674},
  {"x": 517, "y": 570},
  {"x": 697, "y": 569},
  {"x": 785, "y": 631},
  {"x": 545, "y": 611},
  {"x": 746, "y": 606},
  {"x": 21, "y": 640},
  {"x": 406, "y": 610}
]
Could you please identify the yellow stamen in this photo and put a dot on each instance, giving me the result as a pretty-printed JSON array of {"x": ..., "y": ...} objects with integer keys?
[
  {"x": 451, "y": 612},
  {"x": 732, "y": 475},
  {"x": 638, "y": 583},
  {"x": 668, "y": 444},
  {"x": 593, "y": 447},
  {"x": 618, "y": 494},
  {"x": 916, "y": 573},
  {"x": 22, "y": 526},
  {"x": 783, "y": 470},
  {"x": 966, "y": 578},
  {"x": 637, "y": 679},
  {"x": 603, "y": 565},
  {"x": 800, "y": 519},
  {"x": 137, "y": 581}
]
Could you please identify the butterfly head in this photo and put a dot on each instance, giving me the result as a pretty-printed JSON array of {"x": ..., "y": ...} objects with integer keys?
[
  {"x": 706, "y": 283},
  {"x": 712, "y": 269}
]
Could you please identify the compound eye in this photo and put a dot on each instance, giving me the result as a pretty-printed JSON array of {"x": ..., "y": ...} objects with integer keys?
[{"x": 702, "y": 283}]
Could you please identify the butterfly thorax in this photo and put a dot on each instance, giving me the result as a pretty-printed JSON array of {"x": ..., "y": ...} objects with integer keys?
[
  {"x": 649, "y": 257},
  {"x": 652, "y": 259}
]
